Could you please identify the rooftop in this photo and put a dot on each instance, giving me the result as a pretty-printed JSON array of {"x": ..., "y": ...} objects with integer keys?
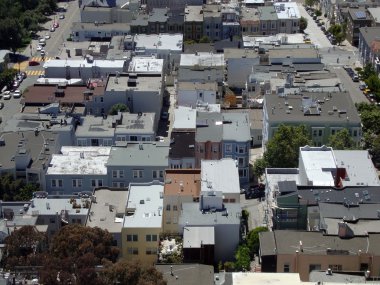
[
  {"x": 209, "y": 127},
  {"x": 51, "y": 206},
  {"x": 75, "y": 63},
  {"x": 172, "y": 42},
  {"x": 358, "y": 14},
  {"x": 250, "y": 15},
  {"x": 183, "y": 182},
  {"x": 108, "y": 211},
  {"x": 79, "y": 26},
  {"x": 315, "y": 243},
  {"x": 139, "y": 154},
  {"x": 127, "y": 82},
  {"x": 232, "y": 53},
  {"x": 146, "y": 65},
  {"x": 81, "y": 160},
  {"x": 287, "y": 10},
  {"x": 220, "y": 175},
  {"x": 209, "y": 86},
  {"x": 267, "y": 13},
  {"x": 196, "y": 237},
  {"x": 252, "y": 41},
  {"x": 202, "y": 59},
  {"x": 188, "y": 274},
  {"x": 251, "y": 278},
  {"x": 184, "y": 118},
  {"x": 183, "y": 145},
  {"x": 193, "y": 14},
  {"x": 238, "y": 127},
  {"x": 370, "y": 34},
  {"x": 375, "y": 14},
  {"x": 334, "y": 107},
  {"x": 144, "y": 207}
]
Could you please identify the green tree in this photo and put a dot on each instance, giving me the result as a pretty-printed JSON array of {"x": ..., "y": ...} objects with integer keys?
[
  {"x": 11, "y": 33},
  {"x": 367, "y": 71},
  {"x": 7, "y": 77},
  {"x": 253, "y": 242},
  {"x": 119, "y": 107},
  {"x": 339, "y": 32},
  {"x": 341, "y": 140},
  {"x": 303, "y": 24},
  {"x": 243, "y": 258},
  {"x": 318, "y": 13},
  {"x": 373, "y": 83},
  {"x": 282, "y": 150},
  {"x": 204, "y": 39},
  {"x": 259, "y": 167},
  {"x": 26, "y": 192},
  {"x": 310, "y": 3}
]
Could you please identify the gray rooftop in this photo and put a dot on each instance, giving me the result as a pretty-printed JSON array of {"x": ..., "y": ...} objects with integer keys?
[
  {"x": 140, "y": 154},
  {"x": 267, "y": 13},
  {"x": 336, "y": 277},
  {"x": 209, "y": 127},
  {"x": 315, "y": 243},
  {"x": 293, "y": 52},
  {"x": 78, "y": 26},
  {"x": 339, "y": 101},
  {"x": 212, "y": 10},
  {"x": 51, "y": 206},
  {"x": 361, "y": 211},
  {"x": 370, "y": 34},
  {"x": 255, "y": 116},
  {"x": 196, "y": 237},
  {"x": 250, "y": 14},
  {"x": 159, "y": 15},
  {"x": 192, "y": 216},
  {"x": 375, "y": 14},
  {"x": 240, "y": 53},
  {"x": 108, "y": 211},
  {"x": 193, "y": 14},
  {"x": 239, "y": 129},
  {"x": 188, "y": 274},
  {"x": 358, "y": 14},
  {"x": 144, "y": 82}
]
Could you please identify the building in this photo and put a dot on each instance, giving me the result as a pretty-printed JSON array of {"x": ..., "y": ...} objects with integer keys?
[
  {"x": 221, "y": 176},
  {"x": 223, "y": 219},
  {"x": 249, "y": 21},
  {"x": 199, "y": 245},
  {"x": 185, "y": 119},
  {"x": 182, "y": 150},
  {"x": 357, "y": 18},
  {"x": 322, "y": 120},
  {"x": 189, "y": 274},
  {"x": 268, "y": 20},
  {"x": 77, "y": 169},
  {"x": 142, "y": 223},
  {"x": 106, "y": 131},
  {"x": 137, "y": 163},
  {"x": 374, "y": 14},
  {"x": 193, "y": 23},
  {"x": 181, "y": 186},
  {"x": 98, "y": 31},
  {"x": 288, "y": 17},
  {"x": 230, "y": 21},
  {"x": 85, "y": 69},
  {"x": 116, "y": 14},
  {"x": 212, "y": 21},
  {"x": 369, "y": 46},
  {"x": 302, "y": 252},
  {"x": 107, "y": 211},
  {"x": 190, "y": 93}
]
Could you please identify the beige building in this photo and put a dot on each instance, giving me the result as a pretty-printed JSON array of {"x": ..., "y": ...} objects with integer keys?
[
  {"x": 303, "y": 252},
  {"x": 142, "y": 223},
  {"x": 182, "y": 186}
]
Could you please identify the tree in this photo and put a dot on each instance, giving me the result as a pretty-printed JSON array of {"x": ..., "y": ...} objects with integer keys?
[
  {"x": 310, "y": 3},
  {"x": 119, "y": 107},
  {"x": 243, "y": 259},
  {"x": 283, "y": 149},
  {"x": 367, "y": 71},
  {"x": 11, "y": 33},
  {"x": 303, "y": 24},
  {"x": 341, "y": 140},
  {"x": 7, "y": 77},
  {"x": 373, "y": 82},
  {"x": 26, "y": 192},
  {"x": 204, "y": 39},
  {"x": 253, "y": 242},
  {"x": 259, "y": 167},
  {"x": 339, "y": 32}
]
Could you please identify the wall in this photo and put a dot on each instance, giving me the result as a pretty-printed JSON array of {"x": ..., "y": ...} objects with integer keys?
[
  {"x": 185, "y": 162},
  {"x": 205, "y": 150},
  {"x": 170, "y": 218},
  {"x": 67, "y": 183}
]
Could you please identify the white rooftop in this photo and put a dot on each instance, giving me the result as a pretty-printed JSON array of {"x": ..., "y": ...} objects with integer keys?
[
  {"x": 318, "y": 163},
  {"x": 80, "y": 160},
  {"x": 146, "y": 200},
  {"x": 206, "y": 107},
  {"x": 252, "y": 41},
  {"x": 146, "y": 65},
  {"x": 84, "y": 63},
  {"x": 195, "y": 237},
  {"x": 220, "y": 175},
  {"x": 287, "y": 10},
  {"x": 206, "y": 59},
  {"x": 184, "y": 118},
  {"x": 254, "y": 1},
  {"x": 251, "y": 278},
  {"x": 52, "y": 206},
  {"x": 172, "y": 42}
]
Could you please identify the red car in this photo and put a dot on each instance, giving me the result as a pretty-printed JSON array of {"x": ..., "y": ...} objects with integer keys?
[
  {"x": 55, "y": 25},
  {"x": 33, "y": 63}
]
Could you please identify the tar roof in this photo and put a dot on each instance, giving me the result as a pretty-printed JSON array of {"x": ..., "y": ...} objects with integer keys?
[
  {"x": 147, "y": 201},
  {"x": 140, "y": 154},
  {"x": 204, "y": 59},
  {"x": 183, "y": 182},
  {"x": 193, "y": 14},
  {"x": 80, "y": 161},
  {"x": 144, "y": 82},
  {"x": 210, "y": 86},
  {"x": 172, "y": 42},
  {"x": 250, "y": 15},
  {"x": 196, "y": 237},
  {"x": 187, "y": 274},
  {"x": 314, "y": 243},
  {"x": 182, "y": 145},
  {"x": 347, "y": 212},
  {"x": 267, "y": 13},
  {"x": 336, "y": 107},
  {"x": 286, "y": 52},
  {"x": 108, "y": 211},
  {"x": 220, "y": 175},
  {"x": 230, "y": 53}
]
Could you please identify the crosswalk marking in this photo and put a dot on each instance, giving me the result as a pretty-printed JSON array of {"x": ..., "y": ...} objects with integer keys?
[
  {"x": 34, "y": 72},
  {"x": 39, "y": 58}
]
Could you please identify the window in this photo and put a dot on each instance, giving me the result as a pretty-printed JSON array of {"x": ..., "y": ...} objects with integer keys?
[
  {"x": 121, "y": 138},
  {"x": 138, "y": 173},
  {"x": 228, "y": 147},
  {"x": 132, "y": 237},
  {"x": 158, "y": 174},
  {"x": 200, "y": 95},
  {"x": 97, "y": 182},
  {"x": 355, "y": 133},
  {"x": 314, "y": 267},
  {"x": 133, "y": 250},
  {"x": 101, "y": 99},
  {"x": 52, "y": 220},
  {"x": 117, "y": 173},
  {"x": 241, "y": 161},
  {"x": 77, "y": 183},
  {"x": 151, "y": 237},
  {"x": 215, "y": 148},
  {"x": 114, "y": 173},
  {"x": 81, "y": 142},
  {"x": 175, "y": 208},
  {"x": 242, "y": 149},
  {"x": 175, "y": 220},
  {"x": 56, "y": 183},
  {"x": 151, "y": 251},
  {"x": 168, "y": 207},
  {"x": 335, "y": 267},
  {"x": 133, "y": 138},
  {"x": 320, "y": 133},
  {"x": 286, "y": 267},
  {"x": 243, "y": 172}
]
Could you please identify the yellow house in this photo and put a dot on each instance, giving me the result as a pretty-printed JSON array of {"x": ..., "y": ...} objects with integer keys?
[{"x": 143, "y": 222}]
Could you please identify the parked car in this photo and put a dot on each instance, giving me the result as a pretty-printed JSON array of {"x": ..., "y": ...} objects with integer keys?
[
  {"x": 47, "y": 36},
  {"x": 362, "y": 85},
  {"x": 61, "y": 16},
  {"x": 55, "y": 25},
  {"x": 1, "y": 105},
  {"x": 17, "y": 94},
  {"x": 7, "y": 95},
  {"x": 52, "y": 29},
  {"x": 39, "y": 48},
  {"x": 355, "y": 77},
  {"x": 254, "y": 192},
  {"x": 165, "y": 116},
  {"x": 33, "y": 63},
  {"x": 366, "y": 91}
]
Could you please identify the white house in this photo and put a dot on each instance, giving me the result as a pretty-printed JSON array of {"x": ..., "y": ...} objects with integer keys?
[{"x": 190, "y": 93}]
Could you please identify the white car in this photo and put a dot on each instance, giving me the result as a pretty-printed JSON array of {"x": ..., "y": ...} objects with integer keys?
[
  {"x": 61, "y": 16},
  {"x": 52, "y": 29},
  {"x": 7, "y": 95},
  {"x": 39, "y": 48},
  {"x": 17, "y": 94},
  {"x": 47, "y": 36}
]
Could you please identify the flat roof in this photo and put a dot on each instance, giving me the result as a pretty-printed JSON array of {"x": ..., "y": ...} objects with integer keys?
[
  {"x": 184, "y": 118},
  {"x": 144, "y": 82},
  {"x": 188, "y": 274},
  {"x": 182, "y": 182},
  {"x": 75, "y": 63},
  {"x": 209, "y": 127},
  {"x": 370, "y": 34},
  {"x": 210, "y": 86},
  {"x": 206, "y": 59},
  {"x": 252, "y": 41},
  {"x": 289, "y": 51},
  {"x": 239, "y": 129},
  {"x": 140, "y": 154},
  {"x": 287, "y": 10},
  {"x": 193, "y": 14},
  {"x": 172, "y": 42},
  {"x": 108, "y": 211},
  {"x": 146, "y": 65},
  {"x": 375, "y": 13},
  {"x": 232, "y": 53},
  {"x": 147, "y": 201},
  {"x": 220, "y": 175},
  {"x": 338, "y": 101},
  {"x": 182, "y": 145},
  {"x": 52, "y": 206},
  {"x": 196, "y": 237},
  {"x": 251, "y": 278},
  {"x": 267, "y": 13},
  {"x": 250, "y": 15},
  {"x": 80, "y": 160},
  {"x": 108, "y": 27}
]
